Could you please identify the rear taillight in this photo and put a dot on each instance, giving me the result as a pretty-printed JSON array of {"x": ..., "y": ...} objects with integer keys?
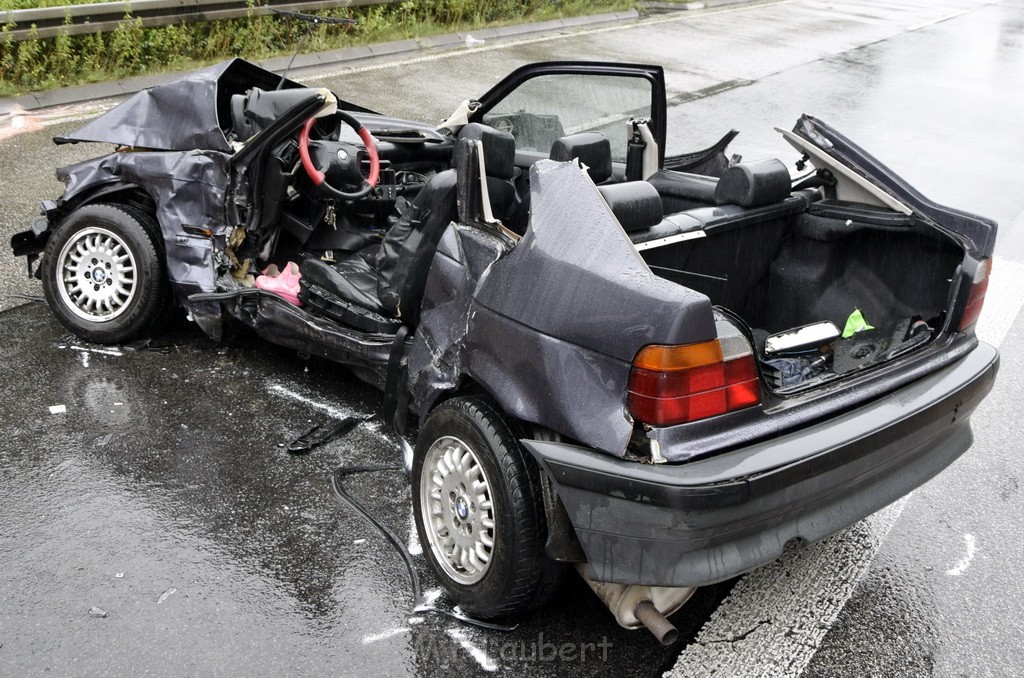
[
  {"x": 977, "y": 297},
  {"x": 677, "y": 384}
]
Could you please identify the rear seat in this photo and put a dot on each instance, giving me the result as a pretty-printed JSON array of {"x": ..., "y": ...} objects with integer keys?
[
  {"x": 682, "y": 191},
  {"x": 752, "y": 192},
  {"x": 754, "y": 184},
  {"x": 638, "y": 207},
  {"x": 748, "y": 193}
]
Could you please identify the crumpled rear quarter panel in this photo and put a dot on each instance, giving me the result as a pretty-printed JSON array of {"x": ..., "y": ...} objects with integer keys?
[{"x": 550, "y": 328}]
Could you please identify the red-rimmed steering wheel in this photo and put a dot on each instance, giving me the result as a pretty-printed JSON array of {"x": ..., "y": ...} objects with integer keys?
[{"x": 319, "y": 179}]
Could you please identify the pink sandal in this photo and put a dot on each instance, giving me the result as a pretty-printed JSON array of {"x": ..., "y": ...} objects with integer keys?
[{"x": 284, "y": 283}]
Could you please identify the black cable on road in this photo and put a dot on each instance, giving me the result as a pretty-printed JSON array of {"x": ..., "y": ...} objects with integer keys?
[{"x": 419, "y": 605}]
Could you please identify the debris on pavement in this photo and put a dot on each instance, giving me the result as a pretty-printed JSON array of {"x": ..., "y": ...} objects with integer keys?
[
  {"x": 58, "y": 409},
  {"x": 119, "y": 575},
  {"x": 162, "y": 346},
  {"x": 98, "y": 612},
  {"x": 166, "y": 594},
  {"x": 320, "y": 434},
  {"x": 31, "y": 298},
  {"x": 103, "y": 440}
]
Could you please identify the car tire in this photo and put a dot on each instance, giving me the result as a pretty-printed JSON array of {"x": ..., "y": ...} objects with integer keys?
[
  {"x": 466, "y": 442},
  {"x": 104, "y": 275}
]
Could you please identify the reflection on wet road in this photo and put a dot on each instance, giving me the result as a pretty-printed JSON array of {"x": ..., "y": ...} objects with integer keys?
[
  {"x": 169, "y": 468},
  {"x": 168, "y": 471}
]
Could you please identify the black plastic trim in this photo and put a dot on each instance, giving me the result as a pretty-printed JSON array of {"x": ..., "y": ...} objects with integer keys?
[{"x": 704, "y": 521}]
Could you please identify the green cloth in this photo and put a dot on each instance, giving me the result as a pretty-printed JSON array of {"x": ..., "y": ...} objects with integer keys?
[{"x": 855, "y": 323}]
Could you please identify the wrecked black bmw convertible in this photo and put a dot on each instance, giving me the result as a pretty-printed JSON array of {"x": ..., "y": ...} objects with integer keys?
[{"x": 659, "y": 370}]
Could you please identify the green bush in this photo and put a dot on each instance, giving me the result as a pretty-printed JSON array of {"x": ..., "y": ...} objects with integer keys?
[{"x": 132, "y": 50}]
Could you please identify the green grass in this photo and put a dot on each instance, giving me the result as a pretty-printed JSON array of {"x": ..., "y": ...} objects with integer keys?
[{"x": 37, "y": 64}]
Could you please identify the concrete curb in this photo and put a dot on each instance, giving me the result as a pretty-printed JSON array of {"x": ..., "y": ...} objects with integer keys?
[{"x": 350, "y": 56}]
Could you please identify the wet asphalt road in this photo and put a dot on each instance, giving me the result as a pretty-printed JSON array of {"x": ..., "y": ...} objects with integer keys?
[{"x": 193, "y": 493}]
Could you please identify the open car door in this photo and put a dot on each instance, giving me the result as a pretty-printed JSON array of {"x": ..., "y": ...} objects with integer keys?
[{"x": 540, "y": 103}]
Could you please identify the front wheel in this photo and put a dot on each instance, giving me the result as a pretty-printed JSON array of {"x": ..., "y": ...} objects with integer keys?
[
  {"x": 479, "y": 512},
  {"x": 103, "y": 275}
]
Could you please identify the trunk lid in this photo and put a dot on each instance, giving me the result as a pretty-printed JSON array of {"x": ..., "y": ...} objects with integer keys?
[{"x": 978, "y": 233}]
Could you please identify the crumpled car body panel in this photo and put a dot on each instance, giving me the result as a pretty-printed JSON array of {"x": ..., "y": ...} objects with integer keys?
[
  {"x": 188, "y": 189},
  {"x": 550, "y": 328},
  {"x": 167, "y": 117}
]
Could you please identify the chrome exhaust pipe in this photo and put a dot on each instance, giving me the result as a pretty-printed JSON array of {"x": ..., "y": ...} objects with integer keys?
[
  {"x": 636, "y": 606},
  {"x": 656, "y": 622}
]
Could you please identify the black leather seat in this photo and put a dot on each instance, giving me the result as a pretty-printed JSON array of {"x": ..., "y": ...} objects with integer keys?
[
  {"x": 386, "y": 286},
  {"x": 754, "y": 184},
  {"x": 593, "y": 150},
  {"x": 499, "y": 162},
  {"x": 749, "y": 184},
  {"x": 636, "y": 204},
  {"x": 753, "y": 193},
  {"x": 352, "y": 277}
]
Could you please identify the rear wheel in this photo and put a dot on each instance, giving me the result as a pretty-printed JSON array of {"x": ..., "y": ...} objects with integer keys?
[
  {"x": 479, "y": 512},
  {"x": 103, "y": 275}
]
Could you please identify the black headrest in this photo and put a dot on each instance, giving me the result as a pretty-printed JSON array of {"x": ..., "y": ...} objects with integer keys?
[
  {"x": 593, "y": 150},
  {"x": 499, "y": 149},
  {"x": 754, "y": 184},
  {"x": 238, "y": 123},
  {"x": 636, "y": 204}
]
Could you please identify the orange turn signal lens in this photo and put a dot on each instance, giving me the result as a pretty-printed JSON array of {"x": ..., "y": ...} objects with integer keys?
[{"x": 661, "y": 358}]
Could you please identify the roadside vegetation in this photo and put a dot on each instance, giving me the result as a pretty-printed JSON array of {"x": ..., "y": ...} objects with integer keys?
[{"x": 130, "y": 50}]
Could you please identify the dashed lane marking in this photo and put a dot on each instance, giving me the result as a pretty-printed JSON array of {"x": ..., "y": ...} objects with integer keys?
[{"x": 965, "y": 562}]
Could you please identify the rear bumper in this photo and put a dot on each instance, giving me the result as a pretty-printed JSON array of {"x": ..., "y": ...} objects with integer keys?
[{"x": 701, "y": 522}]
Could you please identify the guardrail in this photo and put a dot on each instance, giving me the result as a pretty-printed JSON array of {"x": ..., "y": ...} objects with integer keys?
[{"x": 103, "y": 17}]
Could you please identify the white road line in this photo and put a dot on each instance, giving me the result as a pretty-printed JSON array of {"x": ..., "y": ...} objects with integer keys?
[
  {"x": 384, "y": 635},
  {"x": 430, "y": 596},
  {"x": 775, "y": 617},
  {"x": 485, "y": 662},
  {"x": 331, "y": 410},
  {"x": 414, "y": 546},
  {"x": 102, "y": 351},
  {"x": 965, "y": 562},
  {"x": 315, "y": 72},
  {"x": 926, "y": 24},
  {"x": 1003, "y": 300}
]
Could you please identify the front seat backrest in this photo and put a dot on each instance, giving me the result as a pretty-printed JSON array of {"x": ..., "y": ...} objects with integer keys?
[
  {"x": 408, "y": 249},
  {"x": 499, "y": 152}
]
